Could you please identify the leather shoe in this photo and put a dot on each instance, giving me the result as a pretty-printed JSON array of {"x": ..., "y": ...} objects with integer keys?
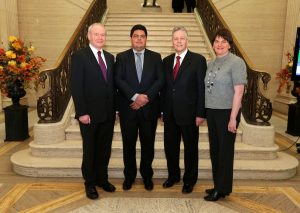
[
  {"x": 127, "y": 184},
  {"x": 148, "y": 184},
  {"x": 214, "y": 196},
  {"x": 209, "y": 191},
  {"x": 107, "y": 186},
  {"x": 187, "y": 188},
  {"x": 169, "y": 183},
  {"x": 91, "y": 192}
]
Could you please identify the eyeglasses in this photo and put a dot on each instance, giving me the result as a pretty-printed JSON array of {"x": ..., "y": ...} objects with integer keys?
[{"x": 210, "y": 80}]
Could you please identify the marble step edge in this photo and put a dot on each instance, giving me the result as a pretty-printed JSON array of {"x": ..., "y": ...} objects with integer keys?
[
  {"x": 152, "y": 33},
  {"x": 153, "y": 28},
  {"x": 143, "y": 15},
  {"x": 152, "y": 23},
  {"x": 73, "y": 148},
  {"x": 73, "y": 133},
  {"x": 165, "y": 38},
  {"x": 24, "y": 163},
  {"x": 167, "y": 43}
]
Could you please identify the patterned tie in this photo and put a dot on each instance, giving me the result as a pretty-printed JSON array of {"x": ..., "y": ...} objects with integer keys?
[
  {"x": 102, "y": 65},
  {"x": 176, "y": 67},
  {"x": 139, "y": 66}
]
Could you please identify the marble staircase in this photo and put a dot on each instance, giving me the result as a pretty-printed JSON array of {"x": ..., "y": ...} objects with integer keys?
[{"x": 56, "y": 150}]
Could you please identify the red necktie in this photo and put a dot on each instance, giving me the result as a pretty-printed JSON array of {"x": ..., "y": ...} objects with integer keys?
[
  {"x": 102, "y": 65},
  {"x": 176, "y": 67}
]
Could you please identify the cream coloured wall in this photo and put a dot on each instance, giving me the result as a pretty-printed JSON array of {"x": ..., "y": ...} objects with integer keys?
[
  {"x": 259, "y": 27},
  {"x": 49, "y": 26},
  {"x": 8, "y": 20}
]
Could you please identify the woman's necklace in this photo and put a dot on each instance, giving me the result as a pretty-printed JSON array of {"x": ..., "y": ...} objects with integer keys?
[{"x": 212, "y": 73}]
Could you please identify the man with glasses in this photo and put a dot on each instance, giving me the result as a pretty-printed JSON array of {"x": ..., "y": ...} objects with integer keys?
[{"x": 139, "y": 79}]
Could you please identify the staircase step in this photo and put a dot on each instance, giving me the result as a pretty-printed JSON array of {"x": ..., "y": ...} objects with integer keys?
[
  {"x": 150, "y": 29},
  {"x": 73, "y": 133},
  {"x": 283, "y": 167},
  {"x": 73, "y": 148},
  {"x": 150, "y": 23},
  {"x": 154, "y": 44},
  {"x": 124, "y": 16},
  {"x": 117, "y": 32},
  {"x": 161, "y": 38}
]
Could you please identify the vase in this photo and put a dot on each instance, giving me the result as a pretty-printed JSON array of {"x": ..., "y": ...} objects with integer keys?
[{"x": 15, "y": 92}]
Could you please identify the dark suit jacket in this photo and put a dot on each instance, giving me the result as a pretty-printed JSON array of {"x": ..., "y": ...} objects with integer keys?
[
  {"x": 184, "y": 97},
  {"x": 91, "y": 94},
  {"x": 127, "y": 83}
]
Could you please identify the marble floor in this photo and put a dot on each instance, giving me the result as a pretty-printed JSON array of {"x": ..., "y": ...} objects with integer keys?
[{"x": 27, "y": 194}]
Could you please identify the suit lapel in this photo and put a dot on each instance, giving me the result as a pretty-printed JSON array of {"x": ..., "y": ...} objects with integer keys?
[
  {"x": 184, "y": 64},
  {"x": 131, "y": 59},
  {"x": 170, "y": 67},
  {"x": 92, "y": 58},
  {"x": 108, "y": 65}
]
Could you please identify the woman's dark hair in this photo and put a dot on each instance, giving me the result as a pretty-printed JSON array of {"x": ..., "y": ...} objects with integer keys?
[
  {"x": 138, "y": 27},
  {"x": 224, "y": 33}
]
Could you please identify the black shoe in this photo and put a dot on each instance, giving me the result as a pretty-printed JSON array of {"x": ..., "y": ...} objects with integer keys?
[
  {"x": 209, "y": 191},
  {"x": 91, "y": 192},
  {"x": 169, "y": 183},
  {"x": 148, "y": 184},
  {"x": 187, "y": 188},
  {"x": 107, "y": 186},
  {"x": 214, "y": 196},
  {"x": 127, "y": 184}
]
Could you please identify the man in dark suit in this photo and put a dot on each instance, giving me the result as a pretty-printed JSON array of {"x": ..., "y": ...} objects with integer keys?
[
  {"x": 93, "y": 95},
  {"x": 183, "y": 109},
  {"x": 139, "y": 79}
]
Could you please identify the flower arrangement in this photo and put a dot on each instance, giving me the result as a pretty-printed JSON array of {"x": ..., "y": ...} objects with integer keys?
[
  {"x": 17, "y": 63},
  {"x": 284, "y": 76}
]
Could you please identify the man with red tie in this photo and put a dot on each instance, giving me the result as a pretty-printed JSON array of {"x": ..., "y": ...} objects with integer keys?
[
  {"x": 183, "y": 109},
  {"x": 93, "y": 91}
]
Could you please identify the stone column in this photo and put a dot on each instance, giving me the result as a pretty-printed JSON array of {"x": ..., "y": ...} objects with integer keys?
[
  {"x": 292, "y": 22},
  {"x": 8, "y": 25}
]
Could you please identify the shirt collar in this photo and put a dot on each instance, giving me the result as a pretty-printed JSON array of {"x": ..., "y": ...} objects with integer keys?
[
  {"x": 134, "y": 51},
  {"x": 95, "y": 50},
  {"x": 182, "y": 55}
]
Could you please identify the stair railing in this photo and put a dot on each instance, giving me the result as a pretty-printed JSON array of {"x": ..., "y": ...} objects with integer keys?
[
  {"x": 256, "y": 108},
  {"x": 52, "y": 105}
]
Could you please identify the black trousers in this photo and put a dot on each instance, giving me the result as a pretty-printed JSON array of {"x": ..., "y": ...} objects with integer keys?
[
  {"x": 97, "y": 140},
  {"x": 190, "y": 5},
  {"x": 221, "y": 143},
  {"x": 130, "y": 130},
  {"x": 172, "y": 138}
]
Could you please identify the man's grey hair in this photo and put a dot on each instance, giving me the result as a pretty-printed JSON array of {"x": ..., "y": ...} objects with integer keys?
[
  {"x": 180, "y": 28},
  {"x": 95, "y": 24}
]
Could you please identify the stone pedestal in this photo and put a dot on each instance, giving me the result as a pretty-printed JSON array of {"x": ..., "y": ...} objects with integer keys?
[{"x": 282, "y": 101}]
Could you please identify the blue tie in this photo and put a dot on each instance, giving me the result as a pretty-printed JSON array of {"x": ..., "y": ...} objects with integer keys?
[{"x": 139, "y": 66}]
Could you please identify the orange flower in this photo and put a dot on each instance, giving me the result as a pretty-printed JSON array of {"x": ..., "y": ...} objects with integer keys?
[{"x": 18, "y": 63}]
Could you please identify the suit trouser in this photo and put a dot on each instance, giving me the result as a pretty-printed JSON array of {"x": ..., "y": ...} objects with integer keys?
[
  {"x": 221, "y": 143},
  {"x": 146, "y": 130},
  {"x": 172, "y": 139},
  {"x": 97, "y": 140}
]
